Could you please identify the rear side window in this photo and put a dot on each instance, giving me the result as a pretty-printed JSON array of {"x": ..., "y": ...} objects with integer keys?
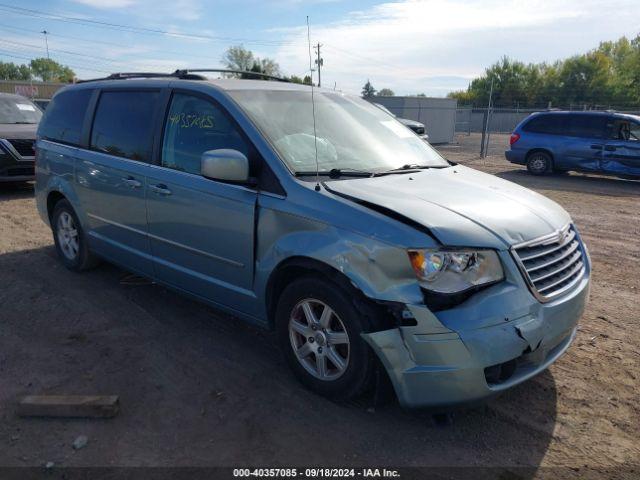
[
  {"x": 123, "y": 124},
  {"x": 63, "y": 119},
  {"x": 549, "y": 124},
  {"x": 587, "y": 126}
]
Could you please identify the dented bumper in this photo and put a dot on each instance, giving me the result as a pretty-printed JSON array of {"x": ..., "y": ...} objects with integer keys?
[{"x": 438, "y": 362}]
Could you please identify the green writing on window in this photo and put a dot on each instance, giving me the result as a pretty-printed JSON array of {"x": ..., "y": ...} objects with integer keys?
[{"x": 191, "y": 120}]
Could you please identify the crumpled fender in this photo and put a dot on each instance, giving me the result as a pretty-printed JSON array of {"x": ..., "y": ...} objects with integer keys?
[{"x": 380, "y": 270}]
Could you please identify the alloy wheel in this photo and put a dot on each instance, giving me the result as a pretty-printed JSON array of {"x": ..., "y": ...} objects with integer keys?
[
  {"x": 68, "y": 236},
  {"x": 319, "y": 339}
]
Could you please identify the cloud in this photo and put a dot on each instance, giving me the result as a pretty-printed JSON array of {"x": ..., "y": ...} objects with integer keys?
[{"x": 408, "y": 45}]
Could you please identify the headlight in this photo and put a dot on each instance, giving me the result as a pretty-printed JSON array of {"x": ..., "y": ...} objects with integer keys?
[{"x": 454, "y": 271}]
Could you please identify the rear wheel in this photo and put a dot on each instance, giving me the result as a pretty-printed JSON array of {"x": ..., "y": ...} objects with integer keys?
[
  {"x": 539, "y": 163},
  {"x": 319, "y": 331},
  {"x": 69, "y": 238}
]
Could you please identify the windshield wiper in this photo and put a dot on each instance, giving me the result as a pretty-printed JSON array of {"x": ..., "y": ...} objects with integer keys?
[
  {"x": 410, "y": 168},
  {"x": 337, "y": 173}
]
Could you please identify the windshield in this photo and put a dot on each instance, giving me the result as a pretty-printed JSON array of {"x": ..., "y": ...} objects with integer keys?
[
  {"x": 18, "y": 110},
  {"x": 384, "y": 109},
  {"x": 352, "y": 134}
]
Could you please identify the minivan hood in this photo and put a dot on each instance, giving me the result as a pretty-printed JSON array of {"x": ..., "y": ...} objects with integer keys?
[
  {"x": 460, "y": 206},
  {"x": 26, "y": 131}
]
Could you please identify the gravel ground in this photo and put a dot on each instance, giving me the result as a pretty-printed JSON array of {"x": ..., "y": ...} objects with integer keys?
[{"x": 199, "y": 388}]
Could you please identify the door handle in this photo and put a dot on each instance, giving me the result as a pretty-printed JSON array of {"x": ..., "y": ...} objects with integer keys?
[
  {"x": 160, "y": 189},
  {"x": 132, "y": 182},
  {"x": 595, "y": 146}
]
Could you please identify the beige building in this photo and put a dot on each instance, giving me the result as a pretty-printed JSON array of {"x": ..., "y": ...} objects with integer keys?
[{"x": 30, "y": 89}]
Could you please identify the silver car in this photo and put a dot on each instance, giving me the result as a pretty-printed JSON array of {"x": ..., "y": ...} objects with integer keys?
[{"x": 368, "y": 252}]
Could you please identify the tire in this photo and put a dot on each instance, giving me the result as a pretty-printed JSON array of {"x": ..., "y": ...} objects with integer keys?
[
  {"x": 539, "y": 163},
  {"x": 71, "y": 248},
  {"x": 346, "y": 323}
]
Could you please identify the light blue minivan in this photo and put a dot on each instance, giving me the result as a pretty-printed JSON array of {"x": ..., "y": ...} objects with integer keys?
[{"x": 371, "y": 255}]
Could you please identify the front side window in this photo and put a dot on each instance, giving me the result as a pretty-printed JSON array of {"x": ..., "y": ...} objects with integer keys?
[
  {"x": 625, "y": 130},
  {"x": 64, "y": 116},
  {"x": 123, "y": 124},
  {"x": 352, "y": 134},
  {"x": 194, "y": 126},
  {"x": 634, "y": 132}
]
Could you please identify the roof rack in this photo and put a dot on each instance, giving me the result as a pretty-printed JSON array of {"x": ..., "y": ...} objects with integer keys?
[
  {"x": 249, "y": 75},
  {"x": 185, "y": 74},
  {"x": 126, "y": 75}
]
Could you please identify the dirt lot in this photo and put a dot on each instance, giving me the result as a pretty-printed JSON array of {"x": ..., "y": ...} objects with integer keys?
[{"x": 199, "y": 388}]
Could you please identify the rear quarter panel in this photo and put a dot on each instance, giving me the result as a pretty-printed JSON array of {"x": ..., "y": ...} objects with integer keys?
[{"x": 55, "y": 171}]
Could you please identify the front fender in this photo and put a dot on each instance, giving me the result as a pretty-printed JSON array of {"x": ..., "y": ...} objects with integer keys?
[{"x": 379, "y": 270}]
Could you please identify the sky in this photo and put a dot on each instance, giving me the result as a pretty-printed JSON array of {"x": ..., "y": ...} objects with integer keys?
[{"x": 411, "y": 46}]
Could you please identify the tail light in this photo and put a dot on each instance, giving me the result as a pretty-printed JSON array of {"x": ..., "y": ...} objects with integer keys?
[{"x": 514, "y": 138}]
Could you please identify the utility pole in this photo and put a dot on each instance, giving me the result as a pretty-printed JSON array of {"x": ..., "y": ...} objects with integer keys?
[
  {"x": 46, "y": 42},
  {"x": 485, "y": 127},
  {"x": 319, "y": 60}
]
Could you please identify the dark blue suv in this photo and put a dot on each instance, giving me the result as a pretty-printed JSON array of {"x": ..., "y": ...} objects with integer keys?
[{"x": 602, "y": 142}]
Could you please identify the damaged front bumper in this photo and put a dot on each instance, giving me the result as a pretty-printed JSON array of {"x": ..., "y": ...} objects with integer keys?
[{"x": 440, "y": 363}]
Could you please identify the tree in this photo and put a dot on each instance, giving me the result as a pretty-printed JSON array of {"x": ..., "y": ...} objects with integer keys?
[
  {"x": 269, "y": 66},
  {"x": 11, "y": 71},
  {"x": 367, "y": 90},
  {"x": 386, "y": 92},
  {"x": 605, "y": 76},
  {"x": 49, "y": 70},
  {"x": 304, "y": 81},
  {"x": 239, "y": 58}
]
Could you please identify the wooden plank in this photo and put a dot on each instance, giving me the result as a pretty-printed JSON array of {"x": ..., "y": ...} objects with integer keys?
[{"x": 94, "y": 406}]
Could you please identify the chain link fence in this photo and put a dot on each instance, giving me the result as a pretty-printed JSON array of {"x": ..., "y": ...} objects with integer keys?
[{"x": 495, "y": 124}]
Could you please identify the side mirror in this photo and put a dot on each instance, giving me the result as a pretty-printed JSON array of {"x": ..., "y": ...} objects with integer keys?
[{"x": 225, "y": 164}]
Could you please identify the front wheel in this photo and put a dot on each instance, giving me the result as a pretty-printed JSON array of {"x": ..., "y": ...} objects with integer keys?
[
  {"x": 539, "y": 163},
  {"x": 319, "y": 331}
]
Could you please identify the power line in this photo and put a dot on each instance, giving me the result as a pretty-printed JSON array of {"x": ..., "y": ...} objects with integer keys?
[
  {"x": 101, "y": 60},
  {"x": 130, "y": 28},
  {"x": 98, "y": 42},
  {"x": 362, "y": 57},
  {"x": 22, "y": 57},
  {"x": 107, "y": 63},
  {"x": 156, "y": 31}
]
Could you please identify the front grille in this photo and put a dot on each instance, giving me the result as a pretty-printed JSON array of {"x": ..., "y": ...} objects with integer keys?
[
  {"x": 553, "y": 264},
  {"x": 23, "y": 147},
  {"x": 20, "y": 171}
]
